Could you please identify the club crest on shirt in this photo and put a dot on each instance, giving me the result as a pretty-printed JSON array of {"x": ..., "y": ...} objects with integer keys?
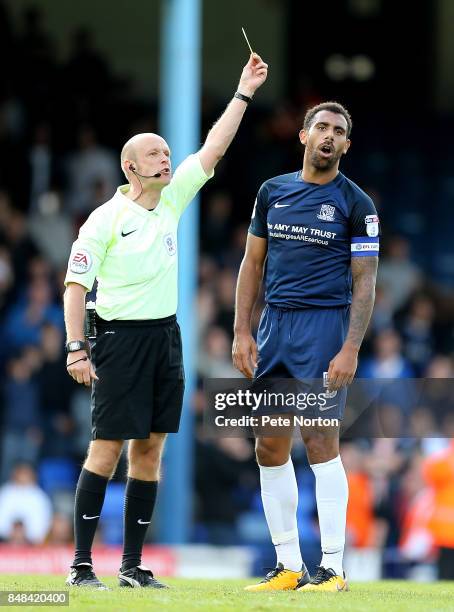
[
  {"x": 80, "y": 262},
  {"x": 326, "y": 212},
  {"x": 371, "y": 225},
  {"x": 170, "y": 244}
]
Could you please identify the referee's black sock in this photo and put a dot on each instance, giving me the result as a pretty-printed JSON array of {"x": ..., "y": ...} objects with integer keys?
[
  {"x": 90, "y": 493},
  {"x": 140, "y": 498}
]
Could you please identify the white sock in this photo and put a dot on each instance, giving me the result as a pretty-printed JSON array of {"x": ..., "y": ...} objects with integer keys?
[
  {"x": 280, "y": 501},
  {"x": 331, "y": 492}
]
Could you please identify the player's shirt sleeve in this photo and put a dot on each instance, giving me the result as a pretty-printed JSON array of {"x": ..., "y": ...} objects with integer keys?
[
  {"x": 188, "y": 178},
  {"x": 364, "y": 227},
  {"x": 258, "y": 225},
  {"x": 89, "y": 250}
]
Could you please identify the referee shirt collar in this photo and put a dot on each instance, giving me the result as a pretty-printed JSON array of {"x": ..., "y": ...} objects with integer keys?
[{"x": 120, "y": 193}]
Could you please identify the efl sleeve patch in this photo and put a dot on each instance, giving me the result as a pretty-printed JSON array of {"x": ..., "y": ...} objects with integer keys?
[
  {"x": 80, "y": 261},
  {"x": 363, "y": 246},
  {"x": 371, "y": 222}
]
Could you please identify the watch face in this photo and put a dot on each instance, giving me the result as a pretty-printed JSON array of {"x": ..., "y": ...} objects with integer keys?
[{"x": 75, "y": 345}]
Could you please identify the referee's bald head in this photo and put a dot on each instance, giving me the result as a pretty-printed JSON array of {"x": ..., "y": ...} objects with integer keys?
[{"x": 138, "y": 147}]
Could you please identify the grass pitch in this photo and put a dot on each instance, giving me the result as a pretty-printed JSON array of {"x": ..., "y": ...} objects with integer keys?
[{"x": 228, "y": 595}]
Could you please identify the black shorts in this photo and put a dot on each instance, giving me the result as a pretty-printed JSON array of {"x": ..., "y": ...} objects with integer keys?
[{"x": 141, "y": 379}]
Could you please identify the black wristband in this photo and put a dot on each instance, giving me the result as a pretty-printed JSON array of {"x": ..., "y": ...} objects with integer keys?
[
  {"x": 73, "y": 362},
  {"x": 241, "y": 96}
]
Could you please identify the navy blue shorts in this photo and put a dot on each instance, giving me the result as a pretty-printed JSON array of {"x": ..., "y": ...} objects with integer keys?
[{"x": 296, "y": 345}]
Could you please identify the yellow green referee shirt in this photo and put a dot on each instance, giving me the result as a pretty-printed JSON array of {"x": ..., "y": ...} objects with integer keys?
[{"x": 133, "y": 251}]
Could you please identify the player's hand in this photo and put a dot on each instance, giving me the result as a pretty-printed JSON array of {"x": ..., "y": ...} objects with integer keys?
[
  {"x": 342, "y": 368},
  {"x": 82, "y": 371},
  {"x": 244, "y": 354},
  {"x": 254, "y": 74}
]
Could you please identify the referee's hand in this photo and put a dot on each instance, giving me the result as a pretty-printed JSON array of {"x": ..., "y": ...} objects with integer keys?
[
  {"x": 244, "y": 354},
  {"x": 80, "y": 368}
]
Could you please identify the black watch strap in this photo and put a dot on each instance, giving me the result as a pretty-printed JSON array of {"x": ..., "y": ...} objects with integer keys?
[
  {"x": 75, "y": 345},
  {"x": 241, "y": 96}
]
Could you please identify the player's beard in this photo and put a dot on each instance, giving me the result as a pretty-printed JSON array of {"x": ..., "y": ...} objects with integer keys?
[{"x": 321, "y": 164}]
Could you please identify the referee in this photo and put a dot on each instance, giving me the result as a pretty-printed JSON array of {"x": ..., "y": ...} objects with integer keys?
[{"x": 129, "y": 244}]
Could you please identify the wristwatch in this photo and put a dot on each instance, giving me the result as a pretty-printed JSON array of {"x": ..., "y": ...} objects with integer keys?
[{"x": 76, "y": 345}]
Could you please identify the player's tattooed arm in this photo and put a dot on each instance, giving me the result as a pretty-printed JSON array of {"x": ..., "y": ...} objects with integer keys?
[
  {"x": 364, "y": 274},
  {"x": 342, "y": 367}
]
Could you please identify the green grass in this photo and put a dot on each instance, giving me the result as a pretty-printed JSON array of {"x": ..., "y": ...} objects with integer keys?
[{"x": 228, "y": 595}]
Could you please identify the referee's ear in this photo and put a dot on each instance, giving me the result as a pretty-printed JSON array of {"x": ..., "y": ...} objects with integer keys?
[{"x": 125, "y": 167}]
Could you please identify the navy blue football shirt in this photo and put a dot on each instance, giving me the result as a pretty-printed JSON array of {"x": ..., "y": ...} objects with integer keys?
[{"x": 312, "y": 232}]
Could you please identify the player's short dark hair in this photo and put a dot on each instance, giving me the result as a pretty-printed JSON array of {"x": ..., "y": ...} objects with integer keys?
[{"x": 333, "y": 107}]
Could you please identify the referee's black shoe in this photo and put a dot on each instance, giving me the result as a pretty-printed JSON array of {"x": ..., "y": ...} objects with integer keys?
[
  {"x": 139, "y": 577},
  {"x": 82, "y": 575}
]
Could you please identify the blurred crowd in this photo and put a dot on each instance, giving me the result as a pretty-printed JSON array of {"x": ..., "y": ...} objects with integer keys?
[{"x": 61, "y": 128}]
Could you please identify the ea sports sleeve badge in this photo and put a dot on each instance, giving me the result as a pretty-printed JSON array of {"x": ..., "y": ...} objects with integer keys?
[{"x": 80, "y": 261}]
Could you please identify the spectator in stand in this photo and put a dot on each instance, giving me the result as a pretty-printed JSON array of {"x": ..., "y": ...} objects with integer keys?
[
  {"x": 215, "y": 355},
  {"x": 6, "y": 279},
  {"x": 216, "y": 225},
  {"x": 393, "y": 393},
  {"x": 6, "y": 44},
  {"x": 17, "y": 536},
  {"x": 14, "y": 234},
  {"x": 387, "y": 361},
  {"x": 438, "y": 472},
  {"x": 417, "y": 331},
  {"x": 438, "y": 393},
  {"x": 424, "y": 429},
  {"x": 206, "y": 310},
  {"x": 361, "y": 528},
  {"x": 21, "y": 499},
  {"x": 222, "y": 466},
  {"x": 36, "y": 58},
  {"x": 86, "y": 77},
  {"x": 61, "y": 530},
  {"x": 92, "y": 174},
  {"x": 50, "y": 220},
  {"x": 25, "y": 319},
  {"x": 415, "y": 542},
  {"x": 208, "y": 271},
  {"x": 382, "y": 316},
  {"x": 225, "y": 290},
  {"x": 22, "y": 426},
  {"x": 397, "y": 274},
  {"x": 55, "y": 393},
  {"x": 42, "y": 164},
  {"x": 233, "y": 256},
  {"x": 277, "y": 149}
]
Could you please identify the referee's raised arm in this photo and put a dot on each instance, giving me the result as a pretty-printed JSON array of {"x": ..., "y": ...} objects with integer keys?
[{"x": 223, "y": 131}]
